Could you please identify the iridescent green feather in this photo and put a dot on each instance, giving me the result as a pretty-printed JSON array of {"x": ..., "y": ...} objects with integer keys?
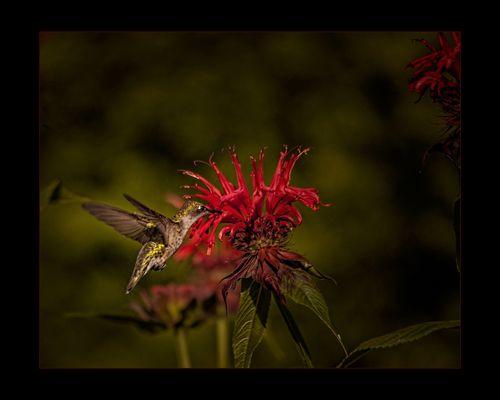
[
  {"x": 150, "y": 252},
  {"x": 186, "y": 209},
  {"x": 150, "y": 257}
]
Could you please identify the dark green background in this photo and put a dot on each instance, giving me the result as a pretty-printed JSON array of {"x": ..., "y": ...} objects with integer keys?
[{"x": 122, "y": 112}]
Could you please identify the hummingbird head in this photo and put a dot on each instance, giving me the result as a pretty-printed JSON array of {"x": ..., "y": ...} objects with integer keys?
[{"x": 191, "y": 211}]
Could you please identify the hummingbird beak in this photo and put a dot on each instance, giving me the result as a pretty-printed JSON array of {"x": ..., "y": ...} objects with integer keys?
[{"x": 214, "y": 211}]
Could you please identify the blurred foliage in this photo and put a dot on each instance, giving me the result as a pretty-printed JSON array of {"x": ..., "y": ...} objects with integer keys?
[
  {"x": 122, "y": 112},
  {"x": 56, "y": 193}
]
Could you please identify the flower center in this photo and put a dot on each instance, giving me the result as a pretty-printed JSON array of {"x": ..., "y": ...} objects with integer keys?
[{"x": 264, "y": 231}]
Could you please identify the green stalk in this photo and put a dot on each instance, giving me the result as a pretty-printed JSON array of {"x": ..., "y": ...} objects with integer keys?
[
  {"x": 182, "y": 349},
  {"x": 222, "y": 329}
]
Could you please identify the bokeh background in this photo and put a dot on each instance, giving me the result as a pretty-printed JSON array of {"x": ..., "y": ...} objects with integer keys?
[{"x": 122, "y": 112}]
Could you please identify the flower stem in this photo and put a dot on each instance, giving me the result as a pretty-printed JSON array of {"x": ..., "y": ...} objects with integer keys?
[
  {"x": 182, "y": 349},
  {"x": 221, "y": 325}
]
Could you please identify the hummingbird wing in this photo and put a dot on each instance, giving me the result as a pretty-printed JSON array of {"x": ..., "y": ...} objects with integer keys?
[
  {"x": 142, "y": 228},
  {"x": 152, "y": 255},
  {"x": 145, "y": 209}
]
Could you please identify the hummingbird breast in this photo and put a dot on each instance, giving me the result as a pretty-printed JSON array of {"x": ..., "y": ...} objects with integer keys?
[{"x": 175, "y": 236}]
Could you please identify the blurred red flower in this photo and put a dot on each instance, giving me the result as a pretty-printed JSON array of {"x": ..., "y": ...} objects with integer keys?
[
  {"x": 187, "y": 304},
  {"x": 439, "y": 73},
  {"x": 256, "y": 223},
  {"x": 173, "y": 305}
]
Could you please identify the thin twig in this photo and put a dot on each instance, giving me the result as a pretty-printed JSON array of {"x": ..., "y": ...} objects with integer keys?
[{"x": 221, "y": 326}]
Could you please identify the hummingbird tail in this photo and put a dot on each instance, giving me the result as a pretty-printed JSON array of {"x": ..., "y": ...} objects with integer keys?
[
  {"x": 131, "y": 285},
  {"x": 151, "y": 256}
]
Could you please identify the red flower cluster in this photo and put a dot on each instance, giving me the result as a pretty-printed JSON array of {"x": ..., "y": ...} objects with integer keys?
[
  {"x": 174, "y": 305},
  {"x": 439, "y": 74},
  {"x": 244, "y": 211},
  {"x": 439, "y": 71},
  {"x": 257, "y": 223},
  {"x": 187, "y": 304}
]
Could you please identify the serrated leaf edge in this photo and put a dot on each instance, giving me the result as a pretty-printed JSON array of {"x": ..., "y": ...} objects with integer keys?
[{"x": 247, "y": 355}]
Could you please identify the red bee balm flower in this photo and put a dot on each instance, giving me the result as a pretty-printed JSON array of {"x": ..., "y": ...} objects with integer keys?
[
  {"x": 173, "y": 305},
  {"x": 439, "y": 73},
  {"x": 257, "y": 223}
]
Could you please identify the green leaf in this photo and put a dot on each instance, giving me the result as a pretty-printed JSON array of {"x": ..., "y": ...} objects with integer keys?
[
  {"x": 302, "y": 290},
  {"x": 294, "y": 330},
  {"x": 56, "y": 193},
  {"x": 396, "y": 338},
  {"x": 456, "y": 227},
  {"x": 149, "y": 326},
  {"x": 250, "y": 321}
]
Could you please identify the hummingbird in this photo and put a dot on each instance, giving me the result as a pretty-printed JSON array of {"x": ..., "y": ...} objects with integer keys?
[{"x": 159, "y": 235}]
